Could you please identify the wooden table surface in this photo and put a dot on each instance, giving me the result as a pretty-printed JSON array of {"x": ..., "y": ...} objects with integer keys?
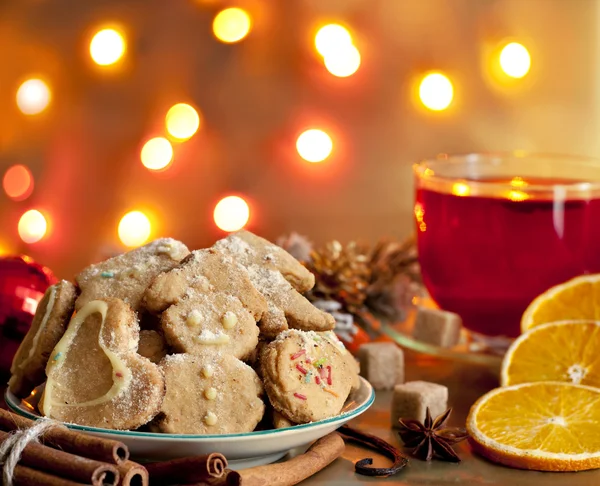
[{"x": 466, "y": 383}]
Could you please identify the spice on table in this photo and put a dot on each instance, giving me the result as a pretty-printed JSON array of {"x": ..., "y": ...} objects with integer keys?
[
  {"x": 293, "y": 471},
  {"x": 432, "y": 438},
  {"x": 188, "y": 470},
  {"x": 364, "y": 465}
]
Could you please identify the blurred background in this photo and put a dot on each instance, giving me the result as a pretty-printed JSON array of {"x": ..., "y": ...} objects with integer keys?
[{"x": 126, "y": 120}]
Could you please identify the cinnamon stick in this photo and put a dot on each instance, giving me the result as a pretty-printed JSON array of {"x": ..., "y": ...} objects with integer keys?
[
  {"x": 187, "y": 470},
  {"x": 63, "y": 464},
  {"x": 69, "y": 441},
  {"x": 322, "y": 453},
  {"x": 132, "y": 474},
  {"x": 25, "y": 476},
  {"x": 229, "y": 478}
]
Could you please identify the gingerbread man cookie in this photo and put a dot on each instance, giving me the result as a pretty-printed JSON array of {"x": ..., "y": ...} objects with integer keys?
[
  {"x": 307, "y": 378},
  {"x": 208, "y": 302},
  {"x": 286, "y": 306},
  {"x": 211, "y": 393},
  {"x": 95, "y": 376},
  {"x": 127, "y": 276},
  {"x": 48, "y": 326},
  {"x": 204, "y": 271}
]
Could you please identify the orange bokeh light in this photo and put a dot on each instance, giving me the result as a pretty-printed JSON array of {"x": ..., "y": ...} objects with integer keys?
[
  {"x": 231, "y": 213},
  {"x": 18, "y": 182}
]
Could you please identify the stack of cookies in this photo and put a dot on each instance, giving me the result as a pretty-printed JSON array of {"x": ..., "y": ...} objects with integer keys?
[{"x": 212, "y": 341}]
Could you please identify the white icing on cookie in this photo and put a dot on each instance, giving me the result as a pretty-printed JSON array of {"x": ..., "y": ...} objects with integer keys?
[{"x": 121, "y": 373}]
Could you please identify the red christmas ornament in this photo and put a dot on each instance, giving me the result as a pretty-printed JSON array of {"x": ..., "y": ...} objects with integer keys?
[{"x": 22, "y": 286}]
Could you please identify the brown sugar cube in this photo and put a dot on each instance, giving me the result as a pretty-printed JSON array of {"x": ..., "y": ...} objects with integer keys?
[
  {"x": 438, "y": 327},
  {"x": 382, "y": 364},
  {"x": 411, "y": 399}
]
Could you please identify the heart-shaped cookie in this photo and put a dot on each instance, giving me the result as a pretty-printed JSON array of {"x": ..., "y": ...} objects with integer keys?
[{"x": 96, "y": 377}]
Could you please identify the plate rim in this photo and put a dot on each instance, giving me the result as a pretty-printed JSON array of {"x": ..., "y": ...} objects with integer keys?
[{"x": 8, "y": 397}]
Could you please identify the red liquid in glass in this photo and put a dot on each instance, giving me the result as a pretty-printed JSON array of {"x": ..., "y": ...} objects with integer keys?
[{"x": 487, "y": 258}]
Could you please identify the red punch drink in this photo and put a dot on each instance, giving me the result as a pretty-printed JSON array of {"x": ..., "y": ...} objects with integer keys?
[{"x": 489, "y": 244}]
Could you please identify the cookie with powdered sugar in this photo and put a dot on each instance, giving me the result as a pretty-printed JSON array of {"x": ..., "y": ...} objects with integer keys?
[
  {"x": 279, "y": 280},
  {"x": 208, "y": 304},
  {"x": 252, "y": 249},
  {"x": 306, "y": 375},
  {"x": 127, "y": 276},
  {"x": 94, "y": 375},
  {"x": 48, "y": 325},
  {"x": 210, "y": 393}
]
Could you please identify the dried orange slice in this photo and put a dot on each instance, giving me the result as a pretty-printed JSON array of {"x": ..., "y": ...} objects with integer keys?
[
  {"x": 545, "y": 426},
  {"x": 576, "y": 299},
  {"x": 566, "y": 351}
]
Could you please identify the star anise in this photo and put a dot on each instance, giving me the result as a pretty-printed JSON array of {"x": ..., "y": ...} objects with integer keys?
[{"x": 432, "y": 438}]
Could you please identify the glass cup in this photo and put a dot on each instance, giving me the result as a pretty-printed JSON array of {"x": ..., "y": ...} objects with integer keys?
[{"x": 496, "y": 230}]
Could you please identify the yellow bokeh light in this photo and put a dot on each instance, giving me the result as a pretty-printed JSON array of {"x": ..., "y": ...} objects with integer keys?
[
  {"x": 460, "y": 189},
  {"x": 331, "y": 38},
  {"x": 343, "y": 62},
  {"x": 32, "y": 226},
  {"x": 107, "y": 47},
  {"x": 515, "y": 60},
  {"x": 232, "y": 25},
  {"x": 33, "y": 96},
  {"x": 314, "y": 145},
  {"x": 518, "y": 182},
  {"x": 420, "y": 217},
  {"x": 517, "y": 196},
  {"x": 436, "y": 91},
  {"x": 157, "y": 153},
  {"x": 134, "y": 229},
  {"x": 231, "y": 213},
  {"x": 182, "y": 121}
]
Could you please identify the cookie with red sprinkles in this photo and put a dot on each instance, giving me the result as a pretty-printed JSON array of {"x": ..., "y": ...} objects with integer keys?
[{"x": 306, "y": 375}]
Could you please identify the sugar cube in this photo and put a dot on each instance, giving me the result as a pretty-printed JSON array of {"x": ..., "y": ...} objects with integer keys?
[
  {"x": 382, "y": 364},
  {"x": 438, "y": 327},
  {"x": 411, "y": 399}
]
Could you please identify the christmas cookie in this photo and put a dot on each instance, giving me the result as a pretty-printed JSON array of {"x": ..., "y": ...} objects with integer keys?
[
  {"x": 351, "y": 362},
  {"x": 286, "y": 306},
  {"x": 307, "y": 378},
  {"x": 95, "y": 376},
  {"x": 212, "y": 393},
  {"x": 51, "y": 318},
  {"x": 204, "y": 271},
  {"x": 215, "y": 321},
  {"x": 127, "y": 276},
  {"x": 254, "y": 250},
  {"x": 152, "y": 345}
]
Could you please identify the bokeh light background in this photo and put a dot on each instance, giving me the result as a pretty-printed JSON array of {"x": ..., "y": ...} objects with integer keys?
[{"x": 164, "y": 121}]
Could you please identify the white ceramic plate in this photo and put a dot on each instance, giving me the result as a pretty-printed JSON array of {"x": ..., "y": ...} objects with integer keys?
[{"x": 242, "y": 450}]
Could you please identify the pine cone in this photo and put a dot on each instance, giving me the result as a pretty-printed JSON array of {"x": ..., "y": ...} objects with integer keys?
[{"x": 342, "y": 273}]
